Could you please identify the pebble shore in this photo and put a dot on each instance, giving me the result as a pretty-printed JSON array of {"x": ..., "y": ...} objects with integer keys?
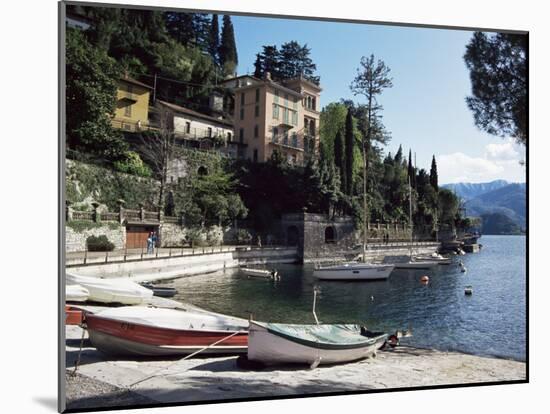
[{"x": 102, "y": 381}]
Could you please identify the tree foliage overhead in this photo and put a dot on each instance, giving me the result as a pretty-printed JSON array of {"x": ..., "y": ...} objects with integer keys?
[
  {"x": 290, "y": 61},
  {"x": 90, "y": 99},
  {"x": 498, "y": 74}
]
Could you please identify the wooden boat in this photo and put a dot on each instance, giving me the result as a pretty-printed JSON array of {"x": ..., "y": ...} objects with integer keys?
[
  {"x": 122, "y": 291},
  {"x": 143, "y": 331},
  {"x": 273, "y": 343},
  {"x": 73, "y": 316},
  {"x": 76, "y": 293},
  {"x": 354, "y": 271},
  {"x": 160, "y": 291},
  {"x": 263, "y": 273}
]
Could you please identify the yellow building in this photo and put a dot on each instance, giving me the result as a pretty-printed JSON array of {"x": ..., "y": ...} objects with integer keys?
[{"x": 132, "y": 106}]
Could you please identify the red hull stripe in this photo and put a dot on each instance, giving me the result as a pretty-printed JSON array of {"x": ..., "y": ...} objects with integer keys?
[{"x": 153, "y": 335}]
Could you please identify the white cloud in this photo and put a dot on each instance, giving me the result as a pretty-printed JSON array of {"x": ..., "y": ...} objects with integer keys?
[
  {"x": 500, "y": 161},
  {"x": 504, "y": 151}
]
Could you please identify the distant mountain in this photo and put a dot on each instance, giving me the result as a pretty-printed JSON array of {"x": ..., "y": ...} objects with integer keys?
[
  {"x": 471, "y": 190},
  {"x": 493, "y": 200},
  {"x": 497, "y": 223}
]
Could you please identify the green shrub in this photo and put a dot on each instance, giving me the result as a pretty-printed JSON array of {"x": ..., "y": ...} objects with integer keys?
[
  {"x": 99, "y": 244},
  {"x": 244, "y": 236},
  {"x": 133, "y": 164}
]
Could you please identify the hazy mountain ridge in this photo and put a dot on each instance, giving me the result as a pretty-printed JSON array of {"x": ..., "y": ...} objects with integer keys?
[{"x": 494, "y": 198}]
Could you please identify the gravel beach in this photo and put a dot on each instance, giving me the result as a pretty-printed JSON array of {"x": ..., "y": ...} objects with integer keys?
[{"x": 108, "y": 382}]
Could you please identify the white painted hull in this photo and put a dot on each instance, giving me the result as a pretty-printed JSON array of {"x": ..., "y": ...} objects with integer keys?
[
  {"x": 76, "y": 293},
  {"x": 354, "y": 271},
  {"x": 417, "y": 265},
  {"x": 122, "y": 291},
  {"x": 270, "y": 349},
  {"x": 257, "y": 273}
]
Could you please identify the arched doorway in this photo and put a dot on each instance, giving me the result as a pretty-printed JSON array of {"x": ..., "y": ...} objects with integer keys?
[
  {"x": 330, "y": 234},
  {"x": 292, "y": 236}
]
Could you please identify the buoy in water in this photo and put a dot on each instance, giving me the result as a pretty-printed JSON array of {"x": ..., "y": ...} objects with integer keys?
[
  {"x": 463, "y": 269},
  {"x": 424, "y": 279},
  {"x": 468, "y": 290}
]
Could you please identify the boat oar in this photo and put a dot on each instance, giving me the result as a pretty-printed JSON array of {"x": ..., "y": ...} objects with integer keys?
[{"x": 186, "y": 357}]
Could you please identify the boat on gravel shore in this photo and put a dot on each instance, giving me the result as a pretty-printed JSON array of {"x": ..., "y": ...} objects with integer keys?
[
  {"x": 274, "y": 343},
  {"x": 113, "y": 290},
  {"x": 145, "y": 331}
]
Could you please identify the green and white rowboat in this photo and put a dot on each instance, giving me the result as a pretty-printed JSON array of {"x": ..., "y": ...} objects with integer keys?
[{"x": 274, "y": 343}]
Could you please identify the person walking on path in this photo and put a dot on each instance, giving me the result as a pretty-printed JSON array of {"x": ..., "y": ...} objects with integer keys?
[
  {"x": 154, "y": 239},
  {"x": 150, "y": 243}
]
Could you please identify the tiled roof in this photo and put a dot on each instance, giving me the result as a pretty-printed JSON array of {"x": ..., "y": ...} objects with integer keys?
[
  {"x": 196, "y": 114},
  {"x": 134, "y": 81}
]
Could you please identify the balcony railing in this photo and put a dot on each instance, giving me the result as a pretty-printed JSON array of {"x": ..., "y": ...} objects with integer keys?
[{"x": 132, "y": 126}]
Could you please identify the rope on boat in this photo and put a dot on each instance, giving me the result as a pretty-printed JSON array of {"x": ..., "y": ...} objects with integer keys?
[
  {"x": 77, "y": 363},
  {"x": 186, "y": 357}
]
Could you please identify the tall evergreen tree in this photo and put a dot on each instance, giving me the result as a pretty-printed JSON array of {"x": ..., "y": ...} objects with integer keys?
[
  {"x": 201, "y": 27},
  {"x": 295, "y": 61},
  {"x": 399, "y": 156},
  {"x": 411, "y": 171},
  {"x": 349, "y": 146},
  {"x": 214, "y": 39},
  {"x": 180, "y": 27},
  {"x": 340, "y": 159},
  {"x": 228, "y": 49},
  {"x": 258, "y": 66},
  {"x": 433, "y": 175}
]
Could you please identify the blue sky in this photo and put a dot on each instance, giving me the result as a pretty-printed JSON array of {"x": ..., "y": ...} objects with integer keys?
[{"x": 425, "y": 110}]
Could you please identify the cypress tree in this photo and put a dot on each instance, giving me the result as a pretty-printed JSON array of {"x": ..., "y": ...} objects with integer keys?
[
  {"x": 411, "y": 172},
  {"x": 433, "y": 175},
  {"x": 349, "y": 153},
  {"x": 214, "y": 39},
  {"x": 258, "y": 66},
  {"x": 228, "y": 49},
  {"x": 340, "y": 160}
]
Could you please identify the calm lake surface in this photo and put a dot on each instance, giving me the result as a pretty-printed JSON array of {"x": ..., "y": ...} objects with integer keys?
[{"x": 490, "y": 322}]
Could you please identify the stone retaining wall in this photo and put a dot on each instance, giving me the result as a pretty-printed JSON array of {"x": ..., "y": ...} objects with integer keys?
[{"x": 75, "y": 241}]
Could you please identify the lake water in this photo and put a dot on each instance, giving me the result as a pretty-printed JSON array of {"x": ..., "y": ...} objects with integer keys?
[{"x": 491, "y": 322}]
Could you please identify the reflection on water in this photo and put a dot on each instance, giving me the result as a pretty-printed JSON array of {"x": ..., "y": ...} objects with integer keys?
[{"x": 490, "y": 322}]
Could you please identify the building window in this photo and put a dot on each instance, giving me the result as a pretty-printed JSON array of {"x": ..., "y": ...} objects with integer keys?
[
  {"x": 241, "y": 135},
  {"x": 229, "y": 137},
  {"x": 276, "y": 97},
  {"x": 295, "y": 103},
  {"x": 286, "y": 100},
  {"x": 275, "y": 111},
  {"x": 285, "y": 138},
  {"x": 255, "y": 157},
  {"x": 258, "y": 95},
  {"x": 188, "y": 127},
  {"x": 242, "y": 114},
  {"x": 257, "y": 111},
  {"x": 128, "y": 111},
  {"x": 285, "y": 115},
  {"x": 275, "y": 133},
  {"x": 312, "y": 127},
  {"x": 306, "y": 125},
  {"x": 242, "y": 98},
  {"x": 294, "y": 118},
  {"x": 256, "y": 130},
  {"x": 294, "y": 140},
  {"x": 313, "y": 106},
  {"x": 209, "y": 132}
]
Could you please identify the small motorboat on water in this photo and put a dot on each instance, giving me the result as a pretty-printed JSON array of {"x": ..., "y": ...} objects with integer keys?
[
  {"x": 160, "y": 291},
  {"x": 76, "y": 293},
  {"x": 262, "y": 273},
  {"x": 274, "y": 343},
  {"x": 146, "y": 331},
  {"x": 417, "y": 264},
  {"x": 434, "y": 257},
  {"x": 113, "y": 290},
  {"x": 353, "y": 271}
]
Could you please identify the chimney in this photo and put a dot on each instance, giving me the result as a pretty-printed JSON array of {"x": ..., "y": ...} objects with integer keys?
[{"x": 267, "y": 76}]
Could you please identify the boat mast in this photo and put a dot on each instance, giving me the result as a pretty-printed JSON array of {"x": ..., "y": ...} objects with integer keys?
[
  {"x": 410, "y": 220},
  {"x": 365, "y": 203}
]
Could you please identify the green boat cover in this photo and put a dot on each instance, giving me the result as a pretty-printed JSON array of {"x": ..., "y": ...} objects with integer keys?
[{"x": 325, "y": 336}]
